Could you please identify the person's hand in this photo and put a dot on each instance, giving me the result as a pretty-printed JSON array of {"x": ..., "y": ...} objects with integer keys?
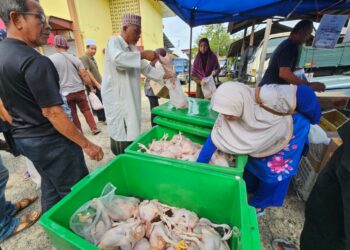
[
  {"x": 213, "y": 73},
  {"x": 93, "y": 90},
  {"x": 317, "y": 86},
  {"x": 149, "y": 55},
  {"x": 203, "y": 83},
  {"x": 168, "y": 74},
  {"x": 93, "y": 151}
]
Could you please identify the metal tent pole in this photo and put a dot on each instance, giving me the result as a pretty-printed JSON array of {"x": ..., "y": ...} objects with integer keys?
[{"x": 190, "y": 64}]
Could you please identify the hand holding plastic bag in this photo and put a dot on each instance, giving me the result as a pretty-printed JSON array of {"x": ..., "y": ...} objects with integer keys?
[
  {"x": 95, "y": 102},
  {"x": 167, "y": 64},
  {"x": 209, "y": 87}
]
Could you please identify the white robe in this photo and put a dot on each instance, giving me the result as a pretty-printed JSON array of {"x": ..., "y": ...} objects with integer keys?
[{"x": 121, "y": 90}]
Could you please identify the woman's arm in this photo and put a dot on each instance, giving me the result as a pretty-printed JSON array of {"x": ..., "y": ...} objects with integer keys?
[{"x": 207, "y": 151}]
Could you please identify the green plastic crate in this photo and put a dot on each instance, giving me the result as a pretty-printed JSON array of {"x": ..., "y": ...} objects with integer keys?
[
  {"x": 181, "y": 126},
  {"x": 218, "y": 197},
  {"x": 157, "y": 133},
  {"x": 198, "y": 113}
]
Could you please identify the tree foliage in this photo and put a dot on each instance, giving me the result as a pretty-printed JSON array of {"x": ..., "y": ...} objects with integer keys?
[{"x": 218, "y": 38}]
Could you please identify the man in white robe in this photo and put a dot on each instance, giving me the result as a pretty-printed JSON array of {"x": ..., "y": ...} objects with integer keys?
[{"x": 121, "y": 90}]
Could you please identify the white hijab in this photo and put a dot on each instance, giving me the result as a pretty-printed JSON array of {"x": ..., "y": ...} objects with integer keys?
[{"x": 258, "y": 132}]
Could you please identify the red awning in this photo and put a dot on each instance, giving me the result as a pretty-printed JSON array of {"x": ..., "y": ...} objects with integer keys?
[{"x": 58, "y": 23}]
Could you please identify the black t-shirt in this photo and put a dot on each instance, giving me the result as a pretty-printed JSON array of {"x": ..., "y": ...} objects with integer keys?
[
  {"x": 285, "y": 55},
  {"x": 28, "y": 82}
]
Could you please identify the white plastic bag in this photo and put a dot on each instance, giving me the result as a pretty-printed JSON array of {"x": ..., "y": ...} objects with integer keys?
[
  {"x": 317, "y": 135},
  {"x": 209, "y": 88},
  {"x": 95, "y": 102},
  {"x": 177, "y": 96}
]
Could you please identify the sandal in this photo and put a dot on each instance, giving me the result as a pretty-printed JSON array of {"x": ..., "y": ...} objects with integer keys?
[
  {"x": 279, "y": 244},
  {"x": 25, "y": 202},
  {"x": 260, "y": 212},
  {"x": 26, "y": 221},
  {"x": 96, "y": 131}
]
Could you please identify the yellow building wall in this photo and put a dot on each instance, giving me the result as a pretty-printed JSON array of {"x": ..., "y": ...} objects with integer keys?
[
  {"x": 95, "y": 23},
  {"x": 152, "y": 24},
  {"x": 58, "y": 8}
]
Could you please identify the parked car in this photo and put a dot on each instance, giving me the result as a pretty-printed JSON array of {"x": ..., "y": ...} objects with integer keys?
[
  {"x": 181, "y": 69},
  {"x": 223, "y": 67}
]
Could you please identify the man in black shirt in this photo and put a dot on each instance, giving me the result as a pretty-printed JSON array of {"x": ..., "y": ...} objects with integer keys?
[
  {"x": 29, "y": 89},
  {"x": 284, "y": 59}
]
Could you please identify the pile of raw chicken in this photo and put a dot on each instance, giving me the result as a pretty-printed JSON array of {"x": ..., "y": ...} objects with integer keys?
[
  {"x": 125, "y": 223},
  {"x": 182, "y": 148}
]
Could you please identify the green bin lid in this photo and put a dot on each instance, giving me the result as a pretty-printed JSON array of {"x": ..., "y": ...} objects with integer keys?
[
  {"x": 183, "y": 127},
  {"x": 198, "y": 113}
]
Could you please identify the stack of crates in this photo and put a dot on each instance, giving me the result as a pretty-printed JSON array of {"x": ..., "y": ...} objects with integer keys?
[
  {"x": 213, "y": 192},
  {"x": 196, "y": 123}
]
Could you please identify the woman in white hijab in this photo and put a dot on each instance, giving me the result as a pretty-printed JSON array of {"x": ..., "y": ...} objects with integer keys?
[{"x": 271, "y": 125}]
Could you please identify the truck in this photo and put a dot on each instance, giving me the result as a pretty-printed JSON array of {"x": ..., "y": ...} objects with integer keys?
[{"x": 316, "y": 62}]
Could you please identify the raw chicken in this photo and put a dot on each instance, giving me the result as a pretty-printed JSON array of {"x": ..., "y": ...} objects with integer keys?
[
  {"x": 180, "y": 147},
  {"x": 124, "y": 235},
  {"x": 185, "y": 218},
  {"x": 121, "y": 208},
  {"x": 149, "y": 225},
  {"x": 142, "y": 244},
  {"x": 160, "y": 237}
]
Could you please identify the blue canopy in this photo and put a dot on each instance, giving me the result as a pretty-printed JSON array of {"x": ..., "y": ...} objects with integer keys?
[{"x": 200, "y": 12}]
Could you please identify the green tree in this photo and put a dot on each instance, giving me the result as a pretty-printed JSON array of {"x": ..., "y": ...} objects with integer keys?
[{"x": 218, "y": 38}]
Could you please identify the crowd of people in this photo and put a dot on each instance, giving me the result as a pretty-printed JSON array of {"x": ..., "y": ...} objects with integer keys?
[{"x": 38, "y": 111}]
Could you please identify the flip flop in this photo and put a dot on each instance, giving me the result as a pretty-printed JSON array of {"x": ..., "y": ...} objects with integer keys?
[
  {"x": 26, "y": 221},
  {"x": 279, "y": 244},
  {"x": 25, "y": 202},
  {"x": 260, "y": 212}
]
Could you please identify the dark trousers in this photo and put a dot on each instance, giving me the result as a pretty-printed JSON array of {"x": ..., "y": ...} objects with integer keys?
[
  {"x": 101, "y": 117},
  {"x": 118, "y": 147},
  {"x": 327, "y": 211},
  {"x": 59, "y": 161},
  {"x": 153, "y": 102}
]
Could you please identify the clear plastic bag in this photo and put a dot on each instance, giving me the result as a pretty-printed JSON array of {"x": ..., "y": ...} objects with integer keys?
[
  {"x": 177, "y": 96},
  {"x": 95, "y": 217},
  {"x": 118, "y": 207},
  {"x": 209, "y": 88},
  {"x": 91, "y": 221}
]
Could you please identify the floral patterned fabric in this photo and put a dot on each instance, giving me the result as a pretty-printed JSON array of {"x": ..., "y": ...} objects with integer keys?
[{"x": 285, "y": 163}]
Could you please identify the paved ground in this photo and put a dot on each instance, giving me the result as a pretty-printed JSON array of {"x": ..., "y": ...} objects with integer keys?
[{"x": 285, "y": 222}]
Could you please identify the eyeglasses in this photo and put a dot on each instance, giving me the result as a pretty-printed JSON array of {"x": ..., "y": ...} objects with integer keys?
[{"x": 41, "y": 16}]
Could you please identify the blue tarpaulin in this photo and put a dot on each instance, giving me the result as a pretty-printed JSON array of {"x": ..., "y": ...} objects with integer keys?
[{"x": 200, "y": 12}]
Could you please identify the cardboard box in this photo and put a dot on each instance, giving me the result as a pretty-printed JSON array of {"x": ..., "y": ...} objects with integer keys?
[
  {"x": 319, "y": 154},
  {"x": 332, "y": 147}
]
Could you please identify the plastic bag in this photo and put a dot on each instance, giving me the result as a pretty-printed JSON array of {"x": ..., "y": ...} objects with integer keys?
[
  {"x": 118, "y": 207},
  {"x": 177, "y": 96},
  {"x": 94, "y": 218},
  {"x": 317, "y": 135},
  {"x": 209, "y": 88},
  {"x": 96, "y": 104},
  {"x": 91, "y": 221}
]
